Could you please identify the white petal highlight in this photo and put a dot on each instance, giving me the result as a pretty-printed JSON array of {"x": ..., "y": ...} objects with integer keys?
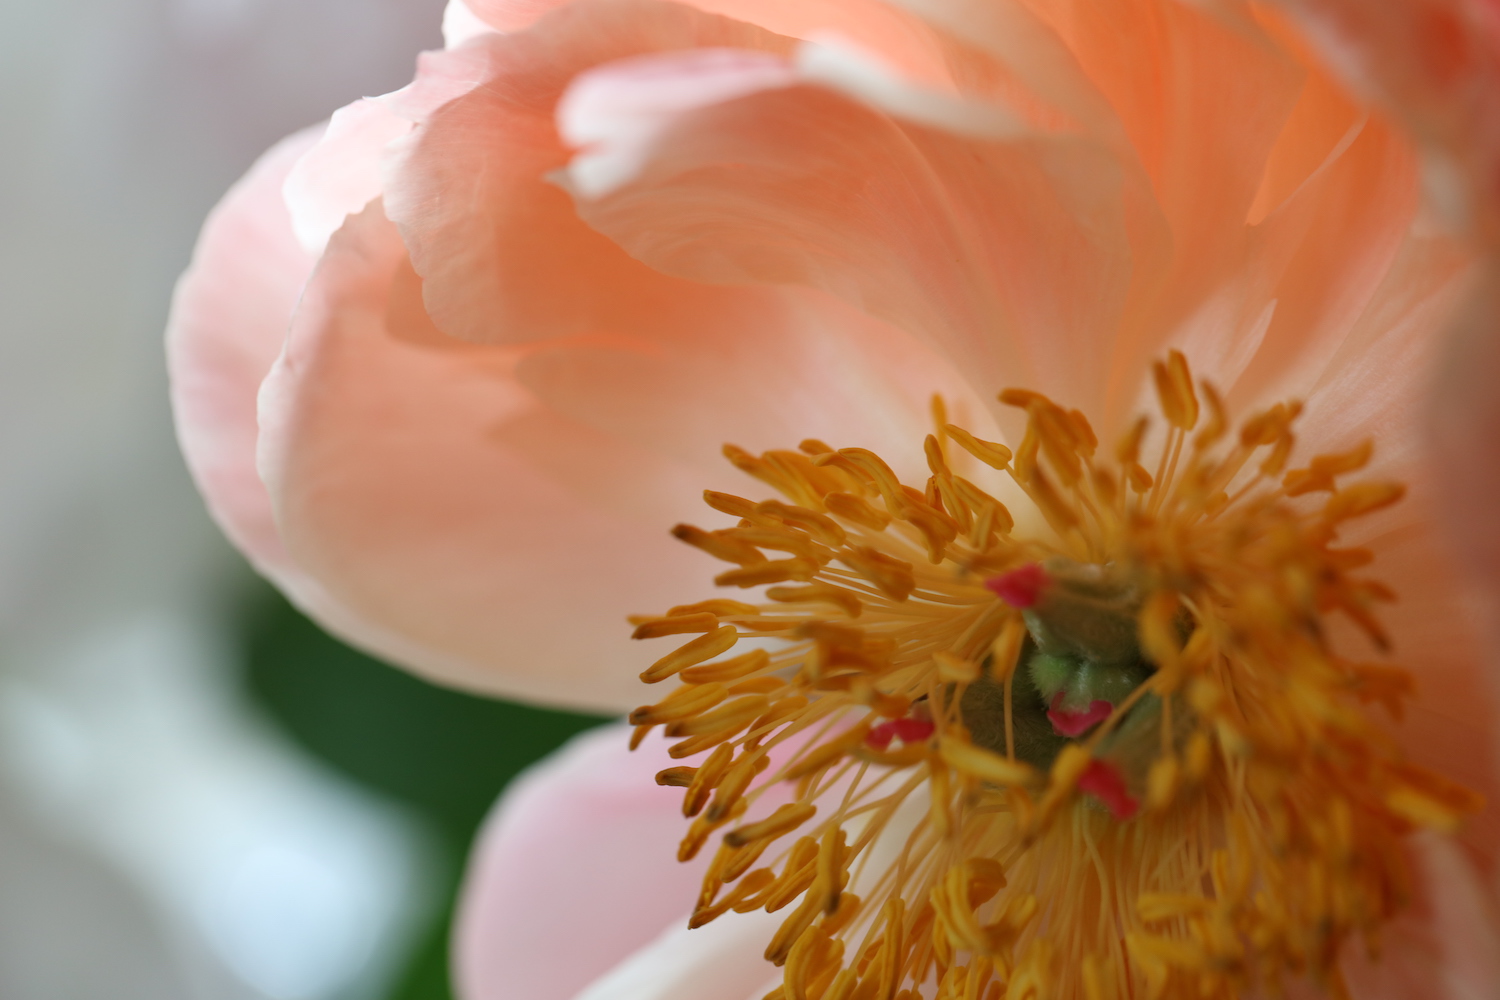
[{"x": 615, "y": 113}]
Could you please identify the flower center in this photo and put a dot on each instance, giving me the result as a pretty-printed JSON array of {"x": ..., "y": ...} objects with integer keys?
[{"x": 1114, "y": 758}]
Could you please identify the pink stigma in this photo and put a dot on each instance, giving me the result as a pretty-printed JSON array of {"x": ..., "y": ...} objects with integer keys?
[
  {"x": 907, "y": 730},
  {"x": 1020, "y": 588},
  {"x": 1067, "y": 723},
  {"x": 1102, "y": 780}
]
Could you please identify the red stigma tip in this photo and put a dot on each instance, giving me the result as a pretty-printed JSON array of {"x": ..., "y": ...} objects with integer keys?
[
  {"x": 1104, "y": 782},
  {"x": 1066, "y": 723},
  {"x": 1020, "y": 588},
  {"x": 908, "y": 731}
]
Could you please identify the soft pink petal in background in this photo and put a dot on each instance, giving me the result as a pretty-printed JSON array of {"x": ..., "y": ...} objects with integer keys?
[
  {"x": 504, "y": 509},
  {"x": 574, "y": 871},
  {"x": 229, "y": 321}
]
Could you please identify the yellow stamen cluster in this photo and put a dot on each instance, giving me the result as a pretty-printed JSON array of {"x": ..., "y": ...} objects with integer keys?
[{"x": 915, "y": 857}]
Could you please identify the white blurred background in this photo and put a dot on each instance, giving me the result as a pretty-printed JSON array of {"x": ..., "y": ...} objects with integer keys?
[{"x": 159, "y": 839}]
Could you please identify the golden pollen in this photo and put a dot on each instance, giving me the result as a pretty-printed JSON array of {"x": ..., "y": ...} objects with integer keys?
[{"x": 1119, "y": 759}]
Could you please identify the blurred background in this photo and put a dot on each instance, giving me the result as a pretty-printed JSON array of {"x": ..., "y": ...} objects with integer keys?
[{"x": 202, "y": 796}]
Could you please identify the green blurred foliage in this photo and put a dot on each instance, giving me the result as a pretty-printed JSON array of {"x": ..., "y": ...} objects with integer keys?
[{"x": 443, "y": 754}]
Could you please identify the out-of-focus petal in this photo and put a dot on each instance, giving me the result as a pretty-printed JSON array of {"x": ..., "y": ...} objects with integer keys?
[
  {"x": 229, "y": 321},
  {"x": 1447, "y": 947},
  {"x": 229, "y": 324},
  {"x": 1464, "y": 438},
  {"x": 575, "y": 871},
  {"x": 1436, "y": 64}
]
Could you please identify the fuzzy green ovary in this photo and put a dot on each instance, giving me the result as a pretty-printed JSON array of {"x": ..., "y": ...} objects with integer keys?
[
  {"x": 1083, "y": 634},
  {"x": 1081, "y": 641},
  {"x": 1083, "y": 681}
]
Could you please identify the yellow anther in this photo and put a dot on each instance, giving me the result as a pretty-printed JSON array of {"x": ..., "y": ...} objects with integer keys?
[
  {"x": 774, "y": 571},
  {"x": 676, "y": 625},
  {"x": 858, "y": 510},
  {"x": 820, "y": 526},
  {"x": 982, "y": 765},
  {"x": 890, "y": 681},
  {"x": 846, "y": 600},
  {"x": 686, "y": 701},
  {"x": 784, "y": 820},
  {"x": 705, "y": 647},
  {"x": 1174, "y": 391},
  {"x": 892, "y": 576},
  {"x": 995, "y": 455},
  {"x": 728, "y": 670},
  {"x": 728, "y": 503},
  {"x": 955, "y": 669},
  {"x": 1361, "y": 499},
  {"x": 718, "y": 546},
  {"x": 718, "y": 606}
]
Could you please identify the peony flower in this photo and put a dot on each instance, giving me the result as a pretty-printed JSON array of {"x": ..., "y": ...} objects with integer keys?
[{"x": 1093, "y": 626}]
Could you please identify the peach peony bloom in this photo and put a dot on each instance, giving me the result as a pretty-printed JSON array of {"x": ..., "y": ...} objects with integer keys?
[{"x": 1075, "y": 715}]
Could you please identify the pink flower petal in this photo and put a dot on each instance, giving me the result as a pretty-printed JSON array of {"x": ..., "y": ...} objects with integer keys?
[
  {"x": 966, "y": 242},
  {"x": 503, "y": 510},
  {"x": 873, "y": 25},
  {"x": 1437, "y": 65},
  {"x": 341, "y": 174},
  {"x": 429, "y": 491},
  {"x": 574, "y": 889},
  {"x": 501, "y": 251},
  {"x": 229, "y": 320},
  {"x": 1447, "y": 947},
  {"x": 1463, "y": 440},
  {"x": 575, "y": 870}
]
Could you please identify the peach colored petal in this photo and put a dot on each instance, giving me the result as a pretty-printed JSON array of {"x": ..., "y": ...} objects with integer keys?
[
  {"x": 1447, "y": 947},
  {"x": 715, "y": 179},
  {"x": 1202, "y": 126},
  {"x": 229, "y": 320},
  {"x": 501, "y": 510},
  {"x": 574, "y": 871},
  {"x": 341, "y": 174},
  {"x": 414, "y": 478},
  {"x": 871, "y": 24},
  {"x": 974, "y": 244},
  {"x": 229, "y": 323},
  {"x": 1463, "y": 428},
  {"x": 1322, "y": 256},
  {"x": 616, "y": 112},
  {"x": 501, "y": 251},
  {"x": 1436, "y": 63}
]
